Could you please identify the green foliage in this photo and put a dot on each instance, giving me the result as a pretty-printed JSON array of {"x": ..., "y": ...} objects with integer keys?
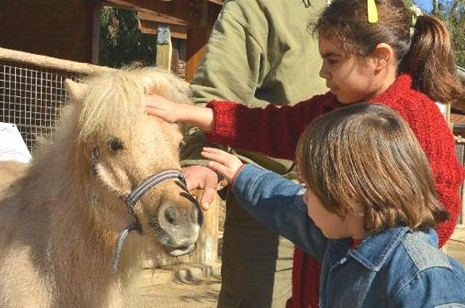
[
  {"x": 121, "y": 42},
  {"x": 453, "y": 13},
  {"x": 456, "y": 24}
]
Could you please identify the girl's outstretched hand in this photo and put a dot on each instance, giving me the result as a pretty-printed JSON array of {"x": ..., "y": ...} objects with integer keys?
[
  {"x": 163, "y": 108},
  {"x": 170, "y": 111},
  {"x": 223, "y": 162}
]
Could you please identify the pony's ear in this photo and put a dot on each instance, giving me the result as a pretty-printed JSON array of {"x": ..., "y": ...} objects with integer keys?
[{"x": 75, "y": 90}]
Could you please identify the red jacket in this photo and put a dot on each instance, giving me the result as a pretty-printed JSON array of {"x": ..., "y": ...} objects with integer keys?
[{"x": 274, "y": 131}]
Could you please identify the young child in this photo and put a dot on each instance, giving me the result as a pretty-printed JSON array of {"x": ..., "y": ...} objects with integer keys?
[
  {"x": 367, "y": 214},
  {"x": 368, "y": 55}
]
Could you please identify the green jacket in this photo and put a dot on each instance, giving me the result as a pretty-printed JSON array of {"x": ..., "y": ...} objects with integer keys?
[{"x": 259, "y": 52}]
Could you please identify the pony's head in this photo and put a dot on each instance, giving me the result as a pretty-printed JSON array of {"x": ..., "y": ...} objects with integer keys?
[{"x": 132, "y": 158}]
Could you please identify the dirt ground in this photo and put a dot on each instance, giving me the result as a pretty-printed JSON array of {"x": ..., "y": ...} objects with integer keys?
[
  {"x": 190, "y": 286},
  {"x": 197, "y": 286}
]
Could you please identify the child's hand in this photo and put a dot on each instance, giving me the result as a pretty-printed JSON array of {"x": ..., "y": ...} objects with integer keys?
[
  {"x": 222, "y": 162},
  {"x": 170, "y": 111},
  {"x": 163, "y": 108}
]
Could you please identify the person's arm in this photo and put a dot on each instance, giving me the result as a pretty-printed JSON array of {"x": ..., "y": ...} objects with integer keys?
[
  {"x": 257, "y": 54},
  {"x": 272, "y": 130},
  {"x": 275, "y": 201},
  {"x": 198, "y": 116},
  {"x": 236, "y": 59},
  {"x": 278, "y": 203}
]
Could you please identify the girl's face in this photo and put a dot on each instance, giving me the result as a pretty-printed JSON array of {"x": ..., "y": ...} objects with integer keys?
[
  {"x": 332, "y": 225},
  {"x": 352, "y": 79}
]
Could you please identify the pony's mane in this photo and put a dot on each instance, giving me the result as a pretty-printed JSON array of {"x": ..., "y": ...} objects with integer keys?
[{"x": 114, "y": 100}]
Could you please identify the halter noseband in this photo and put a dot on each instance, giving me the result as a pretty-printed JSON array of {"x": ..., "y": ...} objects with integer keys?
[
  {"x": 153, "y": 180},
  {"x": 131, "y": 199}
]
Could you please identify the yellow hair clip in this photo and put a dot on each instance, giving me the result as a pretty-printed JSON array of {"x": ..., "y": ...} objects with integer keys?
[{"x": 372, "y": 12}]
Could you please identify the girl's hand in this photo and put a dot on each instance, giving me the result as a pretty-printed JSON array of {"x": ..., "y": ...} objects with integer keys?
[
  {"x": 163, "y": 108},
  {"x": 222, "y": 162},
  {"x": 170, "y": 111}
]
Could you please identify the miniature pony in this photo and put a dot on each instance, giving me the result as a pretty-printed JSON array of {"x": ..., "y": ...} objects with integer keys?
[{"x": 109, "y": 170}]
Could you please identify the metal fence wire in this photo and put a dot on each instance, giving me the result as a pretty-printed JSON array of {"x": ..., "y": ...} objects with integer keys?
[
  {"x": 32, "y": 91},
  {"x": 31, "y": 98}
]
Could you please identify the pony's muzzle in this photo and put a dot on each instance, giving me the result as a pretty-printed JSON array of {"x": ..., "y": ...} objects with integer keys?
[{"x": 178, "y": 227}]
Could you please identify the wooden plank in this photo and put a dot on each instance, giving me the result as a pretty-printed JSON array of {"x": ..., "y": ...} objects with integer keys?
[
  {"x": 197, "y": 38},
  {"x": 193, "y": 12},
  {"x": 52, "y": 63},
  {"x": 150, "y": 27},
  {"x": 195, "y": 49},
  {"x": 161, "y": 18},
  {"x": 96, "y": 34},
  {"x": 164, "y": 48}
]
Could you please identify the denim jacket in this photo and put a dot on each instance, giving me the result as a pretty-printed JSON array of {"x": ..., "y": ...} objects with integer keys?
[{"x": 394, "y": 268}]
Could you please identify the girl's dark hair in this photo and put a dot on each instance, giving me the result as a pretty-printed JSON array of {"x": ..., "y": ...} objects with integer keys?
[
  {"x": 423, "y": 50},
  {"x": 365, "y": 160}
]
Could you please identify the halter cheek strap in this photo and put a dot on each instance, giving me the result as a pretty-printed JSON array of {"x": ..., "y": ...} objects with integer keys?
[{"x": 131, "y": 199}]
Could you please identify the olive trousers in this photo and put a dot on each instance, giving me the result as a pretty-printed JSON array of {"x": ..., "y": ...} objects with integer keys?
[{"x": 256, "y": 263}]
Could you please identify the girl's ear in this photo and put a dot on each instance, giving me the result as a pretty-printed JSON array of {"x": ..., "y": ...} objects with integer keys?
[{"x": 384, "y": 55}]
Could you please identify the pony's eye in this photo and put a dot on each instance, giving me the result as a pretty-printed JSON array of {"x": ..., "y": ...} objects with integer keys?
[{"x": 115, "y": 144}]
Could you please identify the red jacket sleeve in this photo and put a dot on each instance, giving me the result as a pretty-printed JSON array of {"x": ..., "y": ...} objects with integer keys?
[{"x": 273, "y": 131}]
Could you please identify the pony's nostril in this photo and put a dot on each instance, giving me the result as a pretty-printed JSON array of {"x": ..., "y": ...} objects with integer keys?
[{"x": 171, "y": 215}]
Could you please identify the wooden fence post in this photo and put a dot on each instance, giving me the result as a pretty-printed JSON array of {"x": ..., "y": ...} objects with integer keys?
[
  {"x": 164, "y": 48},
  {"x": 207, "y": 244}
]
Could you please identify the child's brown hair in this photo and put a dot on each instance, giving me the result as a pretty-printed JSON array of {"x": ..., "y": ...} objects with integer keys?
[{"x": 364, "y": 159}]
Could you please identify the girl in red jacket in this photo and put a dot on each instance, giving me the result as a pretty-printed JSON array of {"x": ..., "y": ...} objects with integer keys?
[{"x": 371, "y": 52}]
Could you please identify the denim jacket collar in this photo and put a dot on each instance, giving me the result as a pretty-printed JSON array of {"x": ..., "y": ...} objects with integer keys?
[{"x": 375, "y": 249}]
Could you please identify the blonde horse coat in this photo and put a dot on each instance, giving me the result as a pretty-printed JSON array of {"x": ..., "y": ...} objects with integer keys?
[{"x": 60, "y": 220}]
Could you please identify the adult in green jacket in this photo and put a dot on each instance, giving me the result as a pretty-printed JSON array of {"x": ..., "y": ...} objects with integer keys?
[{"x": 259, "y": 51}]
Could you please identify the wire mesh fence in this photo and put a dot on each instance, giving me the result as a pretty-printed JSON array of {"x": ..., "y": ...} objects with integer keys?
[
  {"x": 32, "y": 91},
  {"x": 31, "y": 99}
]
